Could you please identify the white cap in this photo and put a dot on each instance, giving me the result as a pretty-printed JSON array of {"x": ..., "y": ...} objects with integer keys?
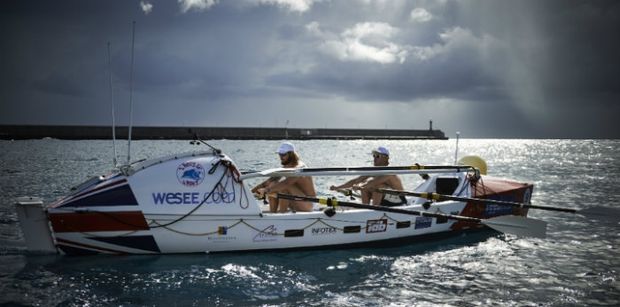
[
  {"x": 381, "y": 150},
  {"x": 285, "y": 147}
]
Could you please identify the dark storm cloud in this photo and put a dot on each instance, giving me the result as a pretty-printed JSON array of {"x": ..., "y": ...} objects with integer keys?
[
  {"x": 575, "y": 40},
  {"x": 588, "y": 48},
  {"x": 457, "y": 78},
  {"x": 528, "y": 68}
]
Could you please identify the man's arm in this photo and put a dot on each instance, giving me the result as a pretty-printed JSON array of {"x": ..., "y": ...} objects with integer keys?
[
  {"x": 391, "y": 181},
  {"x": 282, "y": 184},
  {"x": 349, "y": 183},
  {"x": 265, "y": 183},
  {"x": 376, "y": 182}
]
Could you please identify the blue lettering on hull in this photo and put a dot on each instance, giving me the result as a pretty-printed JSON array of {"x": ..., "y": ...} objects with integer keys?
[{"x": 190, "y": 198}]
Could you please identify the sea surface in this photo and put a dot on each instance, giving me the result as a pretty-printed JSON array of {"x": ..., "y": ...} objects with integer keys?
[{"x": 578, "y": 264}]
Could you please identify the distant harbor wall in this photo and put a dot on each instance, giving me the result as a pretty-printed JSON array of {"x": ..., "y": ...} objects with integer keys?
[{"x": 20, "y": 132}]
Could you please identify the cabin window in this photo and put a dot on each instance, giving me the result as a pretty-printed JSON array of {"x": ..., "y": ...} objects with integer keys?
[
  {"x": 405, "y": 224},
  {"x": 446, "y": 185},
  {"x": 352, "y": 229},
  {"x": 294, "y": 233}
]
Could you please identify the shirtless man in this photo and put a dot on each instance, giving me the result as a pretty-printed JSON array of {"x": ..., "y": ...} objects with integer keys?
[
  {"x": 300, "y": 186},
  {"x": 369, "y": 185}
]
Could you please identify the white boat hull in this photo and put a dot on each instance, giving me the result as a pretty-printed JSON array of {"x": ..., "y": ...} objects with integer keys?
[{"x": 269, "y": 232}]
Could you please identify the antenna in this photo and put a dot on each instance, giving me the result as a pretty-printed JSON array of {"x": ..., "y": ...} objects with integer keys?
[
  {"x": 133, "y": 34},
  {"x": 112, "y": 103},
  {"x": 456, "y": 151}
]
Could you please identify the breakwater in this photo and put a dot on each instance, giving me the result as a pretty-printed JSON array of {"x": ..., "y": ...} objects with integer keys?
[{"x": 20, "y": 132}]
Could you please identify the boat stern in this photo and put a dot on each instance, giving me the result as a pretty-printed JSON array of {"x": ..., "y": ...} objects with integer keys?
[
  {"x": 493, "y": 188},
  {"x": 500, "y": 189}
]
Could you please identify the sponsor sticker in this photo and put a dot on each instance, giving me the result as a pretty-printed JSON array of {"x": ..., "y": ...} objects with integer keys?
[
  {"x": 373, "y": 226},
  {"x": 190, "y": 173},
  {"x": 221, "y": 239},
  {"x": 528, "y": 196},
  {"x": 268, "y": 234},
  {"x": 222, "y": 230},
  {"x": 192, "y": 198},
  {"x": 323, "y": 231},
  {"x": 423, "y": 222},
  {"x": 491, "y": 210}
]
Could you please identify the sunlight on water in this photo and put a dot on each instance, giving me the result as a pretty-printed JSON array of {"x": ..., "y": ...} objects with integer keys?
[{"x": 577, "y": 264}]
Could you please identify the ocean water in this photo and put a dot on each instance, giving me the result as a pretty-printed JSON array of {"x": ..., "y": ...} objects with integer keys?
[{"x": 577, "y": 264}]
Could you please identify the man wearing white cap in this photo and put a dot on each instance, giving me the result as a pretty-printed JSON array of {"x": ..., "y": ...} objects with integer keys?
[
  {"x": 300, "y": 186},
  {"x": 368, "y": 185}
]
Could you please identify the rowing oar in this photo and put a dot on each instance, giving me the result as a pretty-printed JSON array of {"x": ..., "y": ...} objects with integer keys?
[
  {"x": 517, "y": 225},
  {"x": 598, "y": 212},
  {"x": 357, "y": 171}
]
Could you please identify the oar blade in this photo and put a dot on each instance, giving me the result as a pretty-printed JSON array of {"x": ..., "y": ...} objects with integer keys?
[
  {"x": 518, "y": 225},
  {"x": 601, "y": 213}
]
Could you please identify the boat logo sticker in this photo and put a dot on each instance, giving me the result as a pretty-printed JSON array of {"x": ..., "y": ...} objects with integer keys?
[
  {"x": 222, "y": 236},
  {"x": 423, "y": 222},
  {"x": 190, "y": 173},
  {"x": 268, "y": 234},
  {"x": 373, "y": 226},
  {"x": 222, "y": 230}
]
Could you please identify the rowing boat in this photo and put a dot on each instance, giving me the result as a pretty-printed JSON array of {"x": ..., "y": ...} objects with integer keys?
[{"x": 199, "y": 202}]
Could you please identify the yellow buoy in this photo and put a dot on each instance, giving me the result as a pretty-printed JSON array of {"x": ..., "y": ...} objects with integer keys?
[{"x": 476, "y": 162}]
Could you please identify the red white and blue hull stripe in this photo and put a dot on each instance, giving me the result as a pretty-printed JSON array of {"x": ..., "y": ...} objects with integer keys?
[{"x": 104, "y": 209}]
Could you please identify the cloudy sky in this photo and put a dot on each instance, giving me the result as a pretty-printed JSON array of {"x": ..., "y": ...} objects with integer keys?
[{"x": 541, "y": 69}]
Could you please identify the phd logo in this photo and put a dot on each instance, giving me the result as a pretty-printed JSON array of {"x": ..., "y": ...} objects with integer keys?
[
  {"x": 373, "y": 226},
  {"x": 190, "y": 173}
]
